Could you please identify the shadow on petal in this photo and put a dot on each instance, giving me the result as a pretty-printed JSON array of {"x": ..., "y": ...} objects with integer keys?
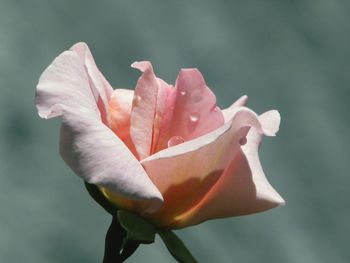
[
  {"x": 180, "y": 198},
  {"x": 241, "y": 190}
]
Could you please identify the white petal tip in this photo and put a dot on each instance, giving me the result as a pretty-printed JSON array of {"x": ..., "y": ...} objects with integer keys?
[
  {"x": 242, "y": 101},
  {"x": 270, "y": 122},
  {"x": 79, "y": 44},
  {"x": 278, "y": 200},
  {"x": 282, "y": 203},
  {"x": 142, "y": 65}
]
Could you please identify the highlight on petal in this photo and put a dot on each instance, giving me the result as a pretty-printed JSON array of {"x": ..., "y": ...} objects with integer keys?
[
  {"x": 186, "y": 172},
  {"x": 88, "y": 146},
  {"x": 242, "y": 189}
]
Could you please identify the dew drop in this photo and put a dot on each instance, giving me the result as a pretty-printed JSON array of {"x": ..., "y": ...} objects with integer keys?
[
  {"x": 196, "y": 96},
  {"x": 175, "y": 140},
  {"x": 243, "y": 141},
  {"x": 136, "y": 100},
  {"x": 194, "y": 117},
  {"x": 183, "y": 93},
  {"x": 215, "y": 108}
]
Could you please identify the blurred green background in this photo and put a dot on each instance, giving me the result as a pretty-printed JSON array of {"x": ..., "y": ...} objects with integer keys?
[{"x": 293, "y": 56}]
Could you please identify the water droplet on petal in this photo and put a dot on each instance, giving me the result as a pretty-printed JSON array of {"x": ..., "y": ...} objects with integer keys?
[
  {"x": 183, "y": 93},
  {"x": 136, "y": 100},
  {"x": 175, "y": 140},
  {"x": 196, "y": 96},
  {"x": 194, "y": 117},
  {"x": 243, "y": 141},
  {"x": 215, "y": 108}
]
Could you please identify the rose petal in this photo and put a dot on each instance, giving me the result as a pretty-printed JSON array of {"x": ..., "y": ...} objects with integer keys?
[
  {"x": 162, "y": 118},
  {"x": 270, "y": 121},
  {"x": 148, "y": 108},
  {"x": 64, "y": 84},
  {"x": 242, "y": 101},
  {"x": 89, "y": 147},
  {"x": 143, "y": 110},
  {"x": 101, "y": 89},
  {"x": 242, "y": 189},
  {"x": 97, "y": 155},
  {"x": 120, "y": 105},
  {"x": 230, "y": 111},
  {"x": 185, "y": 172},
  {"x": 195, "y": 112}
]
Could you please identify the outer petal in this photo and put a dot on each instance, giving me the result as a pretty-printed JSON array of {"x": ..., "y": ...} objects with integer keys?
[
  {"x": 230, "y": 111},
  {"x": 270, "y": 121},
  {"x": 195, "y": 111},
  {"x": 64, "y": 85},
  {"x": 100, "y": 87},
  {"x": 89, "y": 147},
  {"x": 242, "y": 101},
  {"x": 96, "y": 154},
  {"x": 243, "y": 188},
  {"x": 185, "y": 172}
]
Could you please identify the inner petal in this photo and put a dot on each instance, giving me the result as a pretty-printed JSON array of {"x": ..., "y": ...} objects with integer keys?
[
  {"x": 120, "y": 105},
  {"x": 194, "y": 107},
  {"x": 119, "y": 109},
  {"x": 149, "y": 114}
]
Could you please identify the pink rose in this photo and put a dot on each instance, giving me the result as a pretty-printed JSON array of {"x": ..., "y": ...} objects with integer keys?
[{"x": 166, "y": 152}]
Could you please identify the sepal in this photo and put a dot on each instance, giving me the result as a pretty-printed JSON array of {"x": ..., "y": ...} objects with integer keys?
[
  {"x": 137, "y": 228},
  {"x": 176, "y": 247}
]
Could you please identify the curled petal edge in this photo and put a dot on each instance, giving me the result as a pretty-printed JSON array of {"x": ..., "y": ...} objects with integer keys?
[
  {"x": 249, "y": 119},
  {"x": 63, "y": 89},
  {"x": 243, "y": 188}
]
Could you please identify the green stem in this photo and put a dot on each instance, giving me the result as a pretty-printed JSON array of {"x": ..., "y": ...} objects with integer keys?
[
  {"x": 129, "y": 248},
  {"x": 116, "y": 235},
  {"x": 114, "y": 240}
]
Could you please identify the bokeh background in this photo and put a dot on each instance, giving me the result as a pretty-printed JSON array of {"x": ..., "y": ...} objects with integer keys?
[{"x": 289, "y": 55}]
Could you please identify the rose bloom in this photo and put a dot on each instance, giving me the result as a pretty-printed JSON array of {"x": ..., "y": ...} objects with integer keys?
[{"x": 168, "y": 153}]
